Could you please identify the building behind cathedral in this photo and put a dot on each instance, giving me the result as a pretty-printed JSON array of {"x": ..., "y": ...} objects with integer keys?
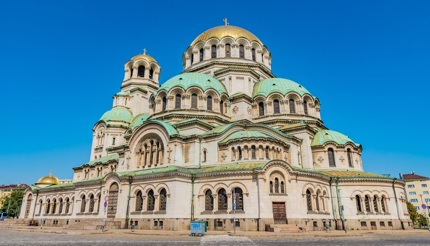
[{"x": 225, "y": 138}]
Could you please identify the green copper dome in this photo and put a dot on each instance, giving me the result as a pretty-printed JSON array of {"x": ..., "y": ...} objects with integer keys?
[
  {"x": 282, "y": 86},
  {"x": 188, "y": 80},
  {"x": 139, "y": 120},
  {"x": 324, "y": 136},
  {"x": 245, "y": 134},
  {"x": 117, "y": 114}
]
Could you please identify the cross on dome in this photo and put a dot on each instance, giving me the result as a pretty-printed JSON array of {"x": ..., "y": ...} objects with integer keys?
[
  {"x": 144, "y": 51},
  {"x": 225, "y": 21}
]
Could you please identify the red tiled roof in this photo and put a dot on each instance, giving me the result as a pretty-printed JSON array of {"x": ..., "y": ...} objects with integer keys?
[{"x": 413, "y": 176}]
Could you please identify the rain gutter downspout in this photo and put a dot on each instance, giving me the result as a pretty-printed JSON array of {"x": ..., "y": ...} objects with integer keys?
[
  {"x": 331, "y": 199},
  {"x": 34, "y": 210},
  {"x": 130, "y": 180},
  {"x": 339, "y": 202},
  {"x": 192, "y": 196}
]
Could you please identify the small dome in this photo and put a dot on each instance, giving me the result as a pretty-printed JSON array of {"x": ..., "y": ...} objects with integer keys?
[
  {"x": 283, "y": 86},
  {"x": 145, "y": 57},
  {"x": 117, "y": 114},
  {"x": 139, "y": 120},
  {"x": 324, "y": 136},
  {"x": 188, "y": 80},
  {"x": 220, "y": 32},
  {"x": 48, "y": 180}
]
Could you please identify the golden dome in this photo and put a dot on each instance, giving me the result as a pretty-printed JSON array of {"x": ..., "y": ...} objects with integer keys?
[
  {"x": 48, "y": 180},
  {"x": 145, "y": 57},
  {"x": 226, "y": 31}
]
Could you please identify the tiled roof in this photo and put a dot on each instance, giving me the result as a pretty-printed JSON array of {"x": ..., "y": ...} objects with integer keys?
[{"x": 413, "y": 176}]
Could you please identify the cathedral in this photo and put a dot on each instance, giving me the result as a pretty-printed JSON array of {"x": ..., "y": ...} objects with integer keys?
[{"x": 225, "y": 142}]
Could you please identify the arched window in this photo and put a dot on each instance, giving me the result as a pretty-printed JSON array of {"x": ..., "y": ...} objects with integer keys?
[
  {"x": 375, "y": 203},
  {"x": 241, "y": 51},
  {"x": 60, "y": 203},
  {"x": 178, "y": 101},
  {"x": 54, "y": 206},
  {"x": 276, "y": 109},
  {"x": 141, "y": 71},
  {"x": 67, "y": 206},
  {"x": 151, "y": 201},
  {"x": 253, "y": 152},
  {"x": 239, "y": 150},
  {"x": 222, "y": 200},
  {"x": 383, "y": 208},
  {"x": 48, "y": 206},
  {"x": 192, "y": 58},
  {"x": 131, "y": 72},
  {"x": 358, "y": 203},
  {"x": 92, "y": 203},
  {"x": 349, "y": 157},
  {"x": 233, "y": 154},
  {"x": 267, "y": 152},
  {"x": 292, "y": 106},
  {"x": 151, "y": 73},
  {"x": 98, "y": 202},
  {"x": 139, "y": 201},
  {"x": 253, "y": 54},
  {"x": 209, "y": 103},
  {"x": 227, "y": 50},
  {"x": 209, "y": 201},
  {"x": 317, "y": 200},
  {"x": 331, "y": 160},
  {"x": 194, "y": 101},
  {"x": 260, "y": 108},
  {"x": 201, "y": 54},
  {"x": 164, "y": 105},
  {"x": 204, "y": 155},
  {"x": 305, "y": 107},
  {"x": 309, "y": 200},
  {"x": 221, "y": 107},
  {"x": 213, "y": 51},
  {"x": 83, "y": 204},
  {"x": 276, "y": 185},
  {"x": 40, "y": 206},
  {"x": 282, "y": 187},
  {"x": 239, "y": 198},
  {"x": 163, "y": 199},
  {"x": 367, "y": 203},
  {"x": 271, "y": 186}
]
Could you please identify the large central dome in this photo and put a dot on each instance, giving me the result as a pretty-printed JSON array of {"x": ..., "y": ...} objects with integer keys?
[{"x": 220, "y": 32}]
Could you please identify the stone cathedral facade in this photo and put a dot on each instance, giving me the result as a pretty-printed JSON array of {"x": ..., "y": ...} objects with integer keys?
[{"x": 225, "y": 138}]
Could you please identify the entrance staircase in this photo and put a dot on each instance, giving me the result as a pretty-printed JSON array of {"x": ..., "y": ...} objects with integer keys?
[{"x": 283, "y": 228}]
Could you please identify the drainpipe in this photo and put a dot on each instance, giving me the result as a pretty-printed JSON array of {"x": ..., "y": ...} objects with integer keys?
[
  {"x": 200, "y": 151},
  {"x": 339, "y": 203},
  {"x": 130, "y": 180},
  {"x": 258, "y": 199},
  {"x": 192, "y": 196},
  {"x": 397, "y": 205}
]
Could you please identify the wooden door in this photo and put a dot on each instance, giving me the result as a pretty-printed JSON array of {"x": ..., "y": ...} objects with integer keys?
[
  {"x": 279, "y": 215},
  {"x": 113, "y": 201}
]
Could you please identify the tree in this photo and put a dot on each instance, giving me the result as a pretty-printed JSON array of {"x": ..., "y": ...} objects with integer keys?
[
  {"x": 12, "y": 204},
  {"x": 413, "y": 214},
  {"x": 422, "y": 220}
]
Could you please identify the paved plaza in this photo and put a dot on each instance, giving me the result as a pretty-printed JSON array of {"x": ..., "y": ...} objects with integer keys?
[{"x": 59, "y": 236}]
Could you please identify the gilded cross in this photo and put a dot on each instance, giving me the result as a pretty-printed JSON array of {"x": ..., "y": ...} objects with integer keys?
[
  {"x": 225, "y": 21},
  {"x": 144, "y": 51}
]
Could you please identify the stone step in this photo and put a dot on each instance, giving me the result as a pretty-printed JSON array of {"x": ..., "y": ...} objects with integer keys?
[{"x": 285, "y": 228}]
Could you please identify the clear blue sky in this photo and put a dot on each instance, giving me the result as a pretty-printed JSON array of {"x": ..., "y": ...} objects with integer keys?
[{"x": 61, "y": 62}]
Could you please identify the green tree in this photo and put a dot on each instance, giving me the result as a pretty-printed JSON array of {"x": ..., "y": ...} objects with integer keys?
[
  {"x": 422, "y": 220},
  {"x": 413, "y": 214},
  {"x": 12, "y": 204}
]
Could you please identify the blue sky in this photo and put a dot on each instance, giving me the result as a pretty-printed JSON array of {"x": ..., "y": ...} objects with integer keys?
[{"x": 62, "y": 61}]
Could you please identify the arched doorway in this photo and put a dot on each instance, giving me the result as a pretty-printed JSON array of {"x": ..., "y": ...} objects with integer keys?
[{"x": 113, "y": 200}]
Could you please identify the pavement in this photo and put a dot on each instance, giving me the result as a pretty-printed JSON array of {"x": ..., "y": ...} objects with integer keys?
[{"x": 248, "y": 234}]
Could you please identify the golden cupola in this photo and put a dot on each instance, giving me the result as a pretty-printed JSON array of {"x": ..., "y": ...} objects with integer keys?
[{"x": 48, "y": 180}]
